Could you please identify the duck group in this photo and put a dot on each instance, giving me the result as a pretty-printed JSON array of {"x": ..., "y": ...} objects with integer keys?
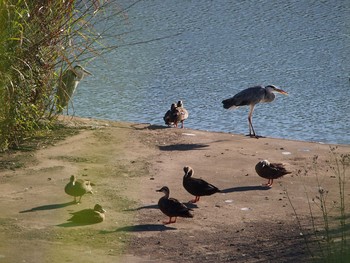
[
  {"x": 78, "y": 188},
  {"x": 176, "y": 114},
  {"x": 199, "y": 187}
]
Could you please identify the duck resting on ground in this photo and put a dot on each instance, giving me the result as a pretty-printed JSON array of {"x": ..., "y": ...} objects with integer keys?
[
  {"x": 89, "y": 216},
  {"x": 195, "y": 186},
  {"x": 270, "y": 171},
  {"x": 78, "y": 187},
  {"x": 172, "y": 207}
]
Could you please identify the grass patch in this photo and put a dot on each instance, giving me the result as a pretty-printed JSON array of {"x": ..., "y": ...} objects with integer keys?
[
  {"x": 18, "y": 157},
  {"x": 328, "y": 236}
]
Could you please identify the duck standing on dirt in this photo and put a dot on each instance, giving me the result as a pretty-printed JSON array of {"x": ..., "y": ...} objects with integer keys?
[
  {"x": 170, "y": 115},
  {"x": 270, "y": 171},
  {"x": 89, "y": 216},
  {"x": 172, "y": 207},
  {"x": 183, "y": 113},
  {"x": 195, "y": 186},
  {"x": 78, "y": 187}
]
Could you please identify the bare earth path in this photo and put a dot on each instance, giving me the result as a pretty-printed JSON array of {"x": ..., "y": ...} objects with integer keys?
[{"x": 126, "y": 163}]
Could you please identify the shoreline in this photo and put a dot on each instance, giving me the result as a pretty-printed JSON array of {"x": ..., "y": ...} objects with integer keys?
[
  {"x": 128, "y": 162},
  {"x": 210, "y": 131}
]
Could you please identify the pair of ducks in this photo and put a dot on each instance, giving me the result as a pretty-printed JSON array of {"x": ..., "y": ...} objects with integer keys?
[
  {"x": 176, "y": 114},
  {"x": 78, "y": 188},
  {"x": 173, "y": 208}
]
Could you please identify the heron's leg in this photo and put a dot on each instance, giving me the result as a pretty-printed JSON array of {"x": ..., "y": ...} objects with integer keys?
[{"x": 251, "y": 129}]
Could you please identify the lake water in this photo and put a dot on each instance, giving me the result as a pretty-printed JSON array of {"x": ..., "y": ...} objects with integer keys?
[{"x": 209, "y": 50}]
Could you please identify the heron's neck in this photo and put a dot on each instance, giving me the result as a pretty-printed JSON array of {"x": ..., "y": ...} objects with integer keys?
[{"x": 269, "y": 96}]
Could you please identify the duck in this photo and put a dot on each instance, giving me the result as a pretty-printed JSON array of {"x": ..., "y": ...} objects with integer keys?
[
  {"x": 88, "y": 216},
  {"x": 170, "y": 115},
  {"x": 78, "y": 187},
  {"x": 197, "y": 187},
  {"x": 270, "y": 171},
  {"x": 172, "y": 207},
  {"x": 182, "y": 114}
]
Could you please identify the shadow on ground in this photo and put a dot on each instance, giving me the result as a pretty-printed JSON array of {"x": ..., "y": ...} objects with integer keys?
[{"x": 48, "y": 207}]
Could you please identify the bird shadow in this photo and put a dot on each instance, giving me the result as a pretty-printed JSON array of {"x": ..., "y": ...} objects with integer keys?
[
  {"x": 245, "y": 188},
  {"x": 188, "y": 204},
  {"x": 149, "y": 127},
  {"x": 141, "y": 228},
  {"x": 75, "y": 224},
  {"x": 143, "y": 207},
  {"x": 255, "y": 136},
  {"x": 48, "y": 207},
  {"x": 182, "y": 147}
]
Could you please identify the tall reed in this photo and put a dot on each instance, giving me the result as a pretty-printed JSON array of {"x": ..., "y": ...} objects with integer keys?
[
  {"x": 327, "y": 238},
  {"x": 39, "y": 41}
]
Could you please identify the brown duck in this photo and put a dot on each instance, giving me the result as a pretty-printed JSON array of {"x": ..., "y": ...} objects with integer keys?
[
  {"x": 181, "y": 114},
  {"x": 197, "y": 187},
  {"x": 270, "y": 171},
  {"x": 89, "y": 216},
  {"x": 172, "y": 207},
  {"x": 78, "y": 187},
  {"x": 170, "y": 115}
]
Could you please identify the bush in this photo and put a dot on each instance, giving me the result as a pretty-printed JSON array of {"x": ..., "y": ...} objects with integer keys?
[{"x": 37, "y": 45}]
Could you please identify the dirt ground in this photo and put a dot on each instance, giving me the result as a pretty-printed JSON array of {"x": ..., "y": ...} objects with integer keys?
[{"x": 128, "y": 162}]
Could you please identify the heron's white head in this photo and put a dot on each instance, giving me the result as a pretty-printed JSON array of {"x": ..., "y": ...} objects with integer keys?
[
  {"x": 273, "y": 88},
  {"x": 79, "y": 72}
]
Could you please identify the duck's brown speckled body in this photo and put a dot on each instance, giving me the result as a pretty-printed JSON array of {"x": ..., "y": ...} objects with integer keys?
[
  {"x": 77, "y": 188},
  {"x": 89, "y": 216},
  {"x": 270, "y": 171},
  {"x": 172, "y": 207},
  {"x": 196, "y": 186}
]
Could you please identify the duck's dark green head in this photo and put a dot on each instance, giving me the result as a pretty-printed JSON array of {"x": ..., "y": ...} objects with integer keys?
[
  {"x": 99, "y": 208},
  {"x": 164, "y": 190},
  {"x": 72, "y": 178}
]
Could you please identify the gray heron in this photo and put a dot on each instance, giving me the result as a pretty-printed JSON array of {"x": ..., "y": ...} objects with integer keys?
[
  {"x": 68, "y": 84},
  {"x": 252, "y": 96}
]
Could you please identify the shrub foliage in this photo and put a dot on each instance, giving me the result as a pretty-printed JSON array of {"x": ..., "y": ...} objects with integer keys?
[{"x": 39, "y": 40}]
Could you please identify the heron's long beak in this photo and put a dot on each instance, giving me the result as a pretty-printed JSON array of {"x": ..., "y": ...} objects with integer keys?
[
  {"x": 87, "y": 72},
  {"x": 281, "y": 91}
]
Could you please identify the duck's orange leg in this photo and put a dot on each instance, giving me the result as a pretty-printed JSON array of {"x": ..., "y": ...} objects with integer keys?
[
  {"x": 196, "y": 199},
  {"x": 269, "y": 183},
  {"x": 170, "y": 221}
]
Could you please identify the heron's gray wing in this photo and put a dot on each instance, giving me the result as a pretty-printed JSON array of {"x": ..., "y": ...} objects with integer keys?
[
  {"x": 65, "y": 88},
  {"x": 249, "y": 96}
]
